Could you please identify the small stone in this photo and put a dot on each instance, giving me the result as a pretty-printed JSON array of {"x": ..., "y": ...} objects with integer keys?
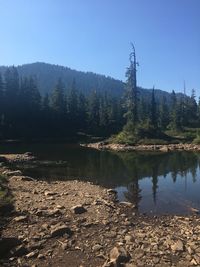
[
  {"x": 111, "y": 191},
  {"x": 12, "y": 173},
  {"x": 45, "y": 226},
  {"x": 20, "y": 218},
  {"x": 64, "y": 246},
  {"x": 129, "y": 238},
  {"x": 193, "y": 262},
  {"x": 177, "y": 246},
  {"x": 96, "y": 247},
  {"x": 60, "y": 231},
  {"x": 78, "y": 209},
  {"x": 60, "y": 207},
  {"x": 32, "y": 254},
  {"x": 19, "y": 251},
  {"x": 41, "y": 256},
  {"x": 49, "y": 193},
  {"x": 120, "y": 255},
  {"x": 26, "y": 178},
  {"x": 55, "y": 212},
  {"x": 128, "y": 204}
]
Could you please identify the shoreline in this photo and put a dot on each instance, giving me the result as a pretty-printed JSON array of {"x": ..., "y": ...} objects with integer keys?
[
  {"x": 126, "y": 148},
  {"x": 74, "y": 223}
]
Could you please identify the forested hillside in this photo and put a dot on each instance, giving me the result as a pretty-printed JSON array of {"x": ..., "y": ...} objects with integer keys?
[
  {"x": 47, "y": 76},
  {"x": 81, "y": 104}
]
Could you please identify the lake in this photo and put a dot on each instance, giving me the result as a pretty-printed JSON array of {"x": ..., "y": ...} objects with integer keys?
[{"x": 157, "y": 183}]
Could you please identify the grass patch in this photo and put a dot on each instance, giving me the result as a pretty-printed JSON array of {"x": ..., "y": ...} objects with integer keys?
[
  {"x": 147, "y": 135},
  {"x": 6, "y": 201}
]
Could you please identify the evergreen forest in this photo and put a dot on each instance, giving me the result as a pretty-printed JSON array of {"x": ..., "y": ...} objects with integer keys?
[{"x": 128, "y": 114}]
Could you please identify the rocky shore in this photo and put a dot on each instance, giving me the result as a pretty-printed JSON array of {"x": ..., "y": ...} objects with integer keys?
[
  {"x": 162, "y": 148},
  {"x": 75, "y": 223}
]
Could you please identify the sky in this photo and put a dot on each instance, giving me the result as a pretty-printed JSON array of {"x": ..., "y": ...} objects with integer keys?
[{"x": 95, "y": 35}]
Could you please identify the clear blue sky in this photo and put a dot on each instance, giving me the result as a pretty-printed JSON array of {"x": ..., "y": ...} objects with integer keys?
[{"x": 95, "y": 35}]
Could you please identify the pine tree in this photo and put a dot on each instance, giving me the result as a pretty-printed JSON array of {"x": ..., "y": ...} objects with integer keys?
[
  {"x": 93, "y": 112},
  {"x": 1, "y": 105},
  {"x": 82, "y": 112},
  {"x": 73, "y": 104},
  {"x": 57, "y": 98},
  {"x": 131, "y": 96},
  {"x": 11, "y": 100},
  {"x": 164, "y": 114},
  {"x": 175, "y": 113},
  {"x": 153, "y": 113}
]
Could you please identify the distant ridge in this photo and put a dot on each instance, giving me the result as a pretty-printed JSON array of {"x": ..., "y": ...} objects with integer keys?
[{"x": 48, "y": 74}]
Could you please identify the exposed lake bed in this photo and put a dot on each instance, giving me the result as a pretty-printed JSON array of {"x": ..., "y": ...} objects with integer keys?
[{"x": 77, "y": 223}]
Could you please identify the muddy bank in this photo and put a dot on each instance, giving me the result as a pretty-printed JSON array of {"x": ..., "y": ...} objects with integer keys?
[
  {"x": 163, "y": 148},
  {"x": 75, "y": 223}
]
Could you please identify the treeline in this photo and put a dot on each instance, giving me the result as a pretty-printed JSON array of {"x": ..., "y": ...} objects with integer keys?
[
  {"x": 66, "y": 112},
  {"x": 24, "y": 113}
]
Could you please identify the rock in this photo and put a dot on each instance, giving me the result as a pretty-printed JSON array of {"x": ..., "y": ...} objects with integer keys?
[
  {"x": 20, "y": 219},
  {"x": 97, "y": 247},
  {"x": 60, "y": 207},
  {"x": 64, "y": 245},
  {"x": 197, "y": 258},
  {"x": 164, "y": 148},
  {"x": 196, "y": 211},
  {"x": 19, "y": 251},
  {"x": 110, "y": 264},
  {"x": 29, "y": 154},
  {"x": 193, "y": 262},
  {"x": 12, "y": 173},
  {"x": 49, "y": 193},
  {"x": 177, "y": 246},
  {"x": 78, "y": 209},
  {"x": 119, "y": 255},
  {"x": 128, "y": 204},
  {"x": 3, "y": 159},
  {"x": 32, "y": 254},
  {"x": 55, "y": 212},
  {"x": 26, "y": 178},
  {"x": 111, "y": 191},
  {"x": 60, "y": 231},
  {"x": 45, "y": 226},
  {"x": 129, "y": 238},
  {"x": 41, "y": 256}
]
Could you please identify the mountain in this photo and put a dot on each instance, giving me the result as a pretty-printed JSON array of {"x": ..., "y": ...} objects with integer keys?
[{"x": 48, "y": 74}]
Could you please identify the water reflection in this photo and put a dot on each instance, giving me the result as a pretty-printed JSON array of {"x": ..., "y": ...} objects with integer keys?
[
  {"x": 155, "y": 182},
  {"x": 174, "y": 184}
]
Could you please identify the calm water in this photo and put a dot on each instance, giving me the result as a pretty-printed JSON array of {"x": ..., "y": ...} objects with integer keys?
[{"x": 156, "y": 183}]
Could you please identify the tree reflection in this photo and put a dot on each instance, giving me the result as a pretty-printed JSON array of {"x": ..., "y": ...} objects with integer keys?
[
  {"x": 154, "y": 183},
  {"x": 133, "y": 193}
]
